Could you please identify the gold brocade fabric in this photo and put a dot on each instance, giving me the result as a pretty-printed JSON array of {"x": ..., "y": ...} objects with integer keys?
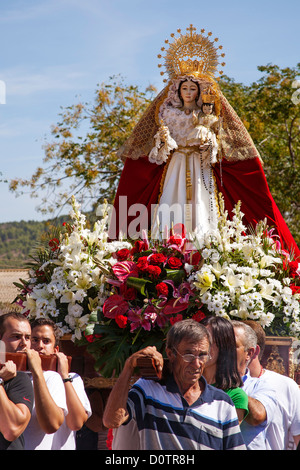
[
  {"x": 236, "y": 143},
  {"x": 141, "y": 140}
]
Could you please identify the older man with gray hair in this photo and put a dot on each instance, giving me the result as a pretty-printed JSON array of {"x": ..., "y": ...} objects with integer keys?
[{"x": 180, "y": 411}]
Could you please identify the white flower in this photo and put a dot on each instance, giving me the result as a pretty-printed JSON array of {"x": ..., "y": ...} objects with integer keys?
[
  {"x": 206, "y": 253},
  {"x": 83, "y": 281},
  {"x": 29, "y": 304},
  {"x": 231, "y": 280},
  {"x": 249, "y": 282},
  {"x": 266, "y": 319},
  {"x": 204, "y": 281},
  {"x": 266, "y": 290},
  {"x": 295, "y": 327},
  {"x": 75, "y": 310},
  {"x": 206, "y": 297},
  {"x": 79, "y": 295},
  {"x": 217, "y": 270}
]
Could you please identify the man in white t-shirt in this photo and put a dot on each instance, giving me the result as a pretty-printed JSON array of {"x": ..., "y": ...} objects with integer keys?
[
  {"x": 283, "y": 432},
  {"x": 262, "y": 398},
  {"x": 44, "y": 340},
  {"x": 40, "y": 432}
]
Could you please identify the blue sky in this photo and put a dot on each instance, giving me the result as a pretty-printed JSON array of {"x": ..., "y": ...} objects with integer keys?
[{"x": 54, "y": 51}]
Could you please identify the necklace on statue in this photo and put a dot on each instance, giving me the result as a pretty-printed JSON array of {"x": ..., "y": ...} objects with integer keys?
[{"x": 188, "y": 111}]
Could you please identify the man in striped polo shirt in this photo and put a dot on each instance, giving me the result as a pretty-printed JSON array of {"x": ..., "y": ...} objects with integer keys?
[{"x": 180, "y": 411}]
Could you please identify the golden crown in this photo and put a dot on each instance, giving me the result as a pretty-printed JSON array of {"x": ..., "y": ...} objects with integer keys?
[
  {"x": 191, "y": 54},
  {"x": 208, "y": 96}
]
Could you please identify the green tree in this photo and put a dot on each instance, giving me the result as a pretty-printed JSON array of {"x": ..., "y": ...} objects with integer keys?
[
  {"x": 82, "y": 158},
  {"x": 272, "y": 118}
]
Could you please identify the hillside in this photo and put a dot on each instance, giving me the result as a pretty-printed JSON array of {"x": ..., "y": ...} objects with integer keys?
[{"x": 18, "y": 239}]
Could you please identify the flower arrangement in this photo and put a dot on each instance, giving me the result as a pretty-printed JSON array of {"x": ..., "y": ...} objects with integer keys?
[{"x": 119, "y": 296}]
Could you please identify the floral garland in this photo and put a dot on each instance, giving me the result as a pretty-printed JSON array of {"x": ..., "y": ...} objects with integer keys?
[{"x": 118, "y": 296}]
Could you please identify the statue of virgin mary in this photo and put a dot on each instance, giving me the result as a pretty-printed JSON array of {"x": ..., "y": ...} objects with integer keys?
[{"x": 189, "y": 147}]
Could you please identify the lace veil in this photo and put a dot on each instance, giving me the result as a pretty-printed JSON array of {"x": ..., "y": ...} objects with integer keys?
[{"x": 236, "y": 144}]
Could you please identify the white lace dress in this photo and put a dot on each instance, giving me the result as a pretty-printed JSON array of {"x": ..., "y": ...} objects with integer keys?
[{"x": 196, "y": 208}]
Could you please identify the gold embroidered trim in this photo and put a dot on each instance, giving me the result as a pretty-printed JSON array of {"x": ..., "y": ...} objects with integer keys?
[{"x": 162, "y": 181}]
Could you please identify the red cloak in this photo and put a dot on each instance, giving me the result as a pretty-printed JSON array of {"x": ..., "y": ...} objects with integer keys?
[{"x": 242, "y": 180}]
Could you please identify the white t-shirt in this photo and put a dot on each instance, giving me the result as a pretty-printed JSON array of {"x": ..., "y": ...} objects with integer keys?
[
  {"x": 265, "y": 393},
  {"x": 35, "y": 437},
  {"x": 286, "y": 421},
  {"x": 64, "y": 438}
]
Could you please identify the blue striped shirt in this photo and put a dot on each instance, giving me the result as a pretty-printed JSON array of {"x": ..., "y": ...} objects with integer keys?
[{"x": 161, "y": 419}]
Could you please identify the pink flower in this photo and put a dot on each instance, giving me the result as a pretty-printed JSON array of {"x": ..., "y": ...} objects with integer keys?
[
  {"x": 137, "y": 320},
  {"x": 174, "y": 306},
  {"x": 115, "y": 305},
  {"x": 124, "y": 269},
  {"x": 140, "y": 318}
]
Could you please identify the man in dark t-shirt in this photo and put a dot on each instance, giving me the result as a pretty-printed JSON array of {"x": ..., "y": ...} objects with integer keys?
[{"x": 18, "y": 391}]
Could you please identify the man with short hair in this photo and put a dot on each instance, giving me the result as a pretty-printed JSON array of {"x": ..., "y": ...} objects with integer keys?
[
  {"x": 179, "y": 412},
  {"x": 283, "y": 432},
  {"x": 262, "y": 399},
  {"x": 16, "y": 393},
  {"x": 44, "y": 339}
]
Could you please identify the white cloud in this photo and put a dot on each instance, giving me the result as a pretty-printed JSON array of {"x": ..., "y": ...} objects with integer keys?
[
  {"x": 24, "y": 11},
  {"x": 25, "y": 81}
]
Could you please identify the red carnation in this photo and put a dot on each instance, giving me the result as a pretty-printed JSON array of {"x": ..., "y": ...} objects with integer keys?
[
  {"x": 294, "y": 268},
  {"x": 142, "y": 263},
  {"x": 129, "y": 293},
  {"x": 162, "y": 289},
  {"x": 91, "y": 338},
  {"x": 123, "y": 254},
  {"x": 295, "y": 289},
  {"x": 138, "y": 247},
  {"x": 175, "y": 240},
  {"x": 54, "y": 244},
  {"x": 195, "y": 258},
  {"x": 178, "y": 317},
  {"x": 174, "y": 263},
  {"x": 198, "y": 316},
  {"x": 153, "y": 271},
  {"x": 157, "y": 258}
]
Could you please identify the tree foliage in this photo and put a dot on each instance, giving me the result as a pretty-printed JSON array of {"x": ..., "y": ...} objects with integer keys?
[
  {"x": 82, "y": 158},
  {"x": 272, "y": 118}
]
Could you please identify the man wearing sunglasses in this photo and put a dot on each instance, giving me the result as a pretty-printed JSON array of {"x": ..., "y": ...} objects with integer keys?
[{"x": 180, "y": 411}]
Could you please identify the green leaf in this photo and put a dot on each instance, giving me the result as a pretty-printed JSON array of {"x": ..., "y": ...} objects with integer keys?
[
  {"x": 139, "y": 284},
  {"x": 175, "y": 275}
]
